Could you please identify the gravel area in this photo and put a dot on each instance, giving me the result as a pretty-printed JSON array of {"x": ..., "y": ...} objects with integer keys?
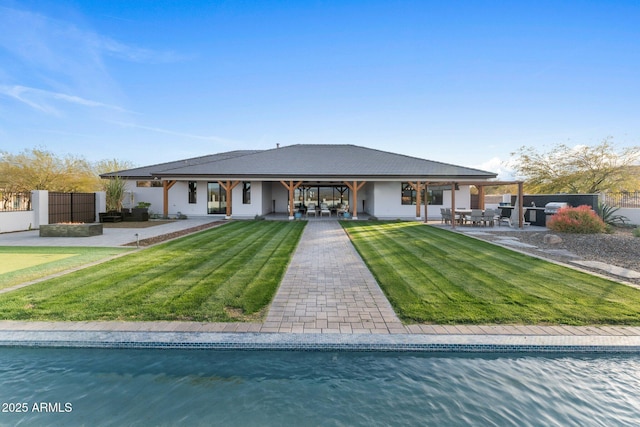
[
  {"x": 621, "y": 249},
  {"x": 159, "y": 239}
]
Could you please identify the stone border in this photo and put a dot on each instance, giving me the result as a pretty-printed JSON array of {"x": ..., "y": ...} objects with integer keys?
[
  {"x": 70, "y": 230},
  {"x": 323, "y": 342}
]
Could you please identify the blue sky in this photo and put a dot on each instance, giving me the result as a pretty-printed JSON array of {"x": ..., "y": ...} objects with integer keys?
[{"x": 463, "y": 82}]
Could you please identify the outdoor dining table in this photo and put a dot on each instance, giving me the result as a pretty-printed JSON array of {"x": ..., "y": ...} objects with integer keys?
[{"x": 463, "y": 214}]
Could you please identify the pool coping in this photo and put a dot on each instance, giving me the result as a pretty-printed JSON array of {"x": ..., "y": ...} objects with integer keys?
[{"x": 249, "y": 341}]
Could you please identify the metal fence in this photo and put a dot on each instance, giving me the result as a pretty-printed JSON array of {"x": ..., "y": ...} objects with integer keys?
[
  {"x": 624, "y": 199},
  {"x": 15, "y": 202},
  {"x": 72, "y": 207}
]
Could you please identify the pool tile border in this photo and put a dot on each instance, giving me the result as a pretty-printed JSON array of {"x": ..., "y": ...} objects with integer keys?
[{"x": 322, "y": 342}]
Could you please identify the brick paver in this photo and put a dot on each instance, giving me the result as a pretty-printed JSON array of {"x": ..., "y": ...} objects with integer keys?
[{"x": 328, "y": 288}]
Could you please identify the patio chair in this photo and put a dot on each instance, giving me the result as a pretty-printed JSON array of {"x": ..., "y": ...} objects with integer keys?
[
  {"x": 504, "y": 215},
  {"x": 489, "y": 217},
  {"x": 450, "y": 216},
  {"x": 324, "y": 209},
  {"x": 476, "y": 216},
  {"x": 444, "y": 217},
  {"x": 311, "y": 209}
]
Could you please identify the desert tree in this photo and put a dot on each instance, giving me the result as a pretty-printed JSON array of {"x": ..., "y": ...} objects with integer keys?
[{"x": 579, "y": 169}]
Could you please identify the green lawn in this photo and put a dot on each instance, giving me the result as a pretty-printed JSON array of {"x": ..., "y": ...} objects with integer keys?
[
  {"x": 226, "y": 273},
  {"x": 19, "y": 264},
  {"x": 432, "y": 275}
]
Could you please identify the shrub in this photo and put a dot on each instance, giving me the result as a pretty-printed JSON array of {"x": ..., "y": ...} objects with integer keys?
[
  {"x": 636, "y": 232},
  {"x": 609, "y": 216},
  {"x": 114, "y": 189},
  {"x": 576, "y": 220}
]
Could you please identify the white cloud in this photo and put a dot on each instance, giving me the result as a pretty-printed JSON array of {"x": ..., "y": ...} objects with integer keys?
[
  {"x": 64, "y": 59},
  {"x": 502, "y": 168},
  {"x": 42, "y": 100},
  {"x": 175, "y": 133},
  {"x": 44, "y": 40}
]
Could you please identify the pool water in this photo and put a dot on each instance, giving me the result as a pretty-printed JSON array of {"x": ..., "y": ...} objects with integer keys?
[{"x": 200, "y": 387}]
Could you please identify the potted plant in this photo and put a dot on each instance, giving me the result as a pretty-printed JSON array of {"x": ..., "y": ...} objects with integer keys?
[{"x": 141, "y": 211}]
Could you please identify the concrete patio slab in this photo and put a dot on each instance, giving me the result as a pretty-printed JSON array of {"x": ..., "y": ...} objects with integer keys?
[{"x": 618, "y": 271}]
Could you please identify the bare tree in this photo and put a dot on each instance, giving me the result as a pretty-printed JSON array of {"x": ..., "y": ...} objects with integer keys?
[{"x": 39, "y": 169}]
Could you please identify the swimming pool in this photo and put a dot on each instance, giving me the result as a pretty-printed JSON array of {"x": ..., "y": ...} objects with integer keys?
[{"x": 204, "y": 387}]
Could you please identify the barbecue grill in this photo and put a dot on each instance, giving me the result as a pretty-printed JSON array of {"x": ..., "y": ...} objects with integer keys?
[{"x": 553, "y": 207}]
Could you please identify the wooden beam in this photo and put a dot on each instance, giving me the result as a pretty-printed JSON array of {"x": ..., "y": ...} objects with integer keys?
[
  {"x": 426, "y": 200},
  {"x": 166, "y": 186},
  {"x": 354, "y": 187},
  {"x": 417, "y": 186},
  {"x": 291, "y": 186},
  {"x": 228, "y": 186},
  {"x": 480, "y": 196},
  {"x": 453, "y": 205},
  {"x": 520, "y": 205}
]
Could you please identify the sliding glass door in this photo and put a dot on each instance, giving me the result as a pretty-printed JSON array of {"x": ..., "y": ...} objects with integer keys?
[{"x": 216, "y": 199}]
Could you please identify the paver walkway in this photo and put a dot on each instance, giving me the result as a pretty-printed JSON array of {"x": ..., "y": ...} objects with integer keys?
[{"x": 328, "y": 288}]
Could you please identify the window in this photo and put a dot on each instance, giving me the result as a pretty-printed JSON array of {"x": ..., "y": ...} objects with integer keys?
[
  {"x": 193, "y": 187},
  {"x": 216, "y": 198},
  {"x": 154, "y": 183},
  {"x": 246, "y": 193},
  {"x": 435, "y": 197},
  {"x": 332, "y": 195},
  {"x": 408, "y": 194}
]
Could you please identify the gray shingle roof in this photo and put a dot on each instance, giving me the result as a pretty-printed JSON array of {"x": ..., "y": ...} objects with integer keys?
[
  {"x": 146, "y": 172},
  {"x": 305, "y": 161}
]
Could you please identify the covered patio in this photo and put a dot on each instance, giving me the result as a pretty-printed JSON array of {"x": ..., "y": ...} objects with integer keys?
[{"x": 480, "y": 185}]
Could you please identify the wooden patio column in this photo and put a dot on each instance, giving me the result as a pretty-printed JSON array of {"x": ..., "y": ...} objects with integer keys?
[
  {"x": 228, "y": 186},
  {"x": 426, "y": 200},
  {"x": 453, "y": 205},
  {"x": 291, "y": 187},
  {"x": 166, "y": 186},
  {"x": 417, "y": 186},
  {"x": 354, "y": 187},
  {"x": 480, "y": 196},
  {"x": 520, "y": 205}
]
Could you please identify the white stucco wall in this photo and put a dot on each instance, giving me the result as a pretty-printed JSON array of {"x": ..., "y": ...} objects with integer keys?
[
  {"x": 151, "y": 195},
  {"x": 632, "y": 214},
  {"x": 267, "y": 198},
  {"x": 281, "y": 196},
  {"x": 17, "y": 221},
  {"x": 249, "y": 210},
  {"x": 387, "y": 198},
  {"x": 368, "y": 194}
]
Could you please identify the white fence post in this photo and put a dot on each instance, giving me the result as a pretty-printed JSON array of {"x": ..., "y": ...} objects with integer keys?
[
  {"x": 40, "y": 206},
  {"x": 101, "y": 203}
]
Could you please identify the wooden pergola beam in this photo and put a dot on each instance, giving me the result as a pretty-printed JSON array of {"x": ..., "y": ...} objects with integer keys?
[
  {"x": 426, "y": 200},
  {"x": 354, "y": 187},
  {"x": 480, "y": 196},
  {"x": 453, "y": 205},
  {"x": 417, "y": 186},
  {"x": 291, "y": 186},
  {"x": 228, "y": 186},
  {"x": 166, "y": 186}
]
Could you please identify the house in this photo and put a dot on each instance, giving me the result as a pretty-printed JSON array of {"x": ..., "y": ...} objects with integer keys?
[{"x": 339, "y": 178}]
